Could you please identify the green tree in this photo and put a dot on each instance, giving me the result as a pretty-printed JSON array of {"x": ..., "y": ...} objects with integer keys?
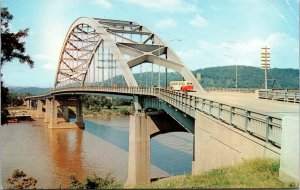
[
  {"x": 19, "y": 181},
  {"x": 94, "y": 182},
  {"x": 12, "y": 43},
  {"x": 12, "y": 47}
]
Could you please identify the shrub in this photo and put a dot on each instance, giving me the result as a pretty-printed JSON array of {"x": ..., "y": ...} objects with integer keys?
[
  {"x": 124, "y": 111},
  {"x": 19, "y": 181},
  {"x": 94, "y": 182}
]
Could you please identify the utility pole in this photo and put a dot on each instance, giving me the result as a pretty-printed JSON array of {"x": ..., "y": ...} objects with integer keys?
[{"x": 265, "y": 62}]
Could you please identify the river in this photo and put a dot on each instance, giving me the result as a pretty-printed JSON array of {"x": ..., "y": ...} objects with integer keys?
[{"x": 51, "y": 155}]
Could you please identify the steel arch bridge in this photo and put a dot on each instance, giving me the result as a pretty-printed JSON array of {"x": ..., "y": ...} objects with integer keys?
[{"x": 102, "y": 52}]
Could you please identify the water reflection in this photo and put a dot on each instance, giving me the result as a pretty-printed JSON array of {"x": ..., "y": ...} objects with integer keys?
[
  {"x": 51, "y": 155},
  {"x": 66, "y": 154},
  {"x": 164, "y": 156}
]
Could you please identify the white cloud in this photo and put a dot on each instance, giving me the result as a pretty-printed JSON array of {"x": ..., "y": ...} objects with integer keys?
[
  {"x": 165, "y": 5},
  {"x": 198, "y": 21},
  {"x": 284, "y": 52},
  {"x": 46, "y": 60},
  {"x": 104, "y": 3},
  {"x": 50, "y": 66},
  {"x": 166, "y": 23}
]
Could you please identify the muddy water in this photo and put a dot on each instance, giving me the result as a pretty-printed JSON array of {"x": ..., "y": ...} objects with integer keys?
[{"x": 52, "y": 155}]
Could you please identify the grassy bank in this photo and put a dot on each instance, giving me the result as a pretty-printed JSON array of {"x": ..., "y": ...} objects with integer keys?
[{"x": 257, "y": 173}]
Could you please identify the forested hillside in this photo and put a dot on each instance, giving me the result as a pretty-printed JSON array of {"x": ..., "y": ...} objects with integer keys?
[{"x": 248, "y": 77}]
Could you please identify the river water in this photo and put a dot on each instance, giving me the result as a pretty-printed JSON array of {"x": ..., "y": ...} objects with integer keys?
[{"x": 51, "y": 155}]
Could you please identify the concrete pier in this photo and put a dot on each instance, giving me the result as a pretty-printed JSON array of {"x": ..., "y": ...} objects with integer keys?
[
  {"x": 79, "y": 118},
  {"x": 39, "y": 110},
  {"x": 139, "y": 151},
  {"x": 54, "y": 109},
  {"x": 65, "y": 110},
  {"x": 144, "y": 126},
  {"x": 47, "y": 111}
]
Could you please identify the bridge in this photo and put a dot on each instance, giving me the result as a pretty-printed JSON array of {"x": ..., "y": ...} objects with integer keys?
[{"x": 102, "y": 57}]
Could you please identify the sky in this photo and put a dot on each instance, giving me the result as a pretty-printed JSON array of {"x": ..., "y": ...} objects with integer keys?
[{"x": 212, "y": 32}]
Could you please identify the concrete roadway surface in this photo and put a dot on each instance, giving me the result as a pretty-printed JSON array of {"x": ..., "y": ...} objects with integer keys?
[{"x": 248, "y": 101}]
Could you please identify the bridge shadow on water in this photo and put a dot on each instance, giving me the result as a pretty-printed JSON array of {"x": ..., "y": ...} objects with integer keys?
[{"x": 171, "y": 160}]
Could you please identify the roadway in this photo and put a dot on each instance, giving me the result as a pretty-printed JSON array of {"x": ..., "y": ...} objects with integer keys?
[{"x": 248, "y": 101}]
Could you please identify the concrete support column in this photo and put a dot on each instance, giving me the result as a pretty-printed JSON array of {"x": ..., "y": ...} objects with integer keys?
[
  {"x": 48, "y": 111},
  {"x": 139, "y": 151},
  {"x": 79, "y": 117},
  {"x": 53, "y": 118},
  {"x": 28, "y": 104},
  {"x": 289, "y": 158},
  {"x": 66, "y": 113},
  {"x": 39, "y": 109}
]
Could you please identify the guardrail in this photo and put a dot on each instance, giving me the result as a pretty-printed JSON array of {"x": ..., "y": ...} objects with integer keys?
[
  {"x": 263, "y": 126},
  {"x": 279, "y": 95},
  {"x": 242, "y": 90}
]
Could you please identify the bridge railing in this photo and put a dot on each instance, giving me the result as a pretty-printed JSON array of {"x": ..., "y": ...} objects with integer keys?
[
  {"x": 279, "y": 95},
  {"x": 263, "y": 126}
]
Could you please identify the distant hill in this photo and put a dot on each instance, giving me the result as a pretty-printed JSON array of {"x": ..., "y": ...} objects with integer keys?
[
  {"x": 223, "y": 77},
  {"x": 31, "y": 90}
]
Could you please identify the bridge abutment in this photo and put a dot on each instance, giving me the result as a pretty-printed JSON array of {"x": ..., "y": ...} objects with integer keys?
[
  {"x": 289, "y": 159},
  {"x": 218, "y": 144}
]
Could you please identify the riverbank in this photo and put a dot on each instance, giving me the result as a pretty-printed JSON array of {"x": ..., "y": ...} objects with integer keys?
[
  {"x": 103, "y": 112},
  {"x": 257, "y": 173}
]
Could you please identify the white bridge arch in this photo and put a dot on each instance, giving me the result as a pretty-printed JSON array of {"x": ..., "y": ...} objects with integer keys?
[{"x": 96, "y": 51}]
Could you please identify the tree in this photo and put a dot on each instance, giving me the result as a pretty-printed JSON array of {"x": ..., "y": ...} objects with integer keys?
[
  {"x": 94, "y": 182},
  {"x": 12, "y": 44},
  {"x": 12, "y": 47},
  {"x": 19, "y": 181}
]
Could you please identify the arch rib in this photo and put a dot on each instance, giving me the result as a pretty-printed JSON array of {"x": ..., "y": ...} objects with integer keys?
[{"x": 117, "y": 37}]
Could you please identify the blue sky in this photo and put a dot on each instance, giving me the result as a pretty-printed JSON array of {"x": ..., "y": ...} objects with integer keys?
[{"x": 212, "y": 32}]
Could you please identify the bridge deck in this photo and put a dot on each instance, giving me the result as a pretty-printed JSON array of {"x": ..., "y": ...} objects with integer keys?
[{"x": 249, "y": 101}]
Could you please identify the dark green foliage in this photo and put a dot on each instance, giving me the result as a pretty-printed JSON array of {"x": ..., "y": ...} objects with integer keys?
[
  {"x": 108, "y": 104},
  {"x": 94, "y": 182},
  {"x": 248, "y": 77},
  {"x": 19, "y": 181},
  {"x": 121, "y": 102},
  {"x": 15, "y": 99},
  {"x": 4, "y": 94},
  {"x": 12, "y": 44},
  {"x": 124, "y": 112},
  {"x": 12, "y": 47},
  {"x": 4, "y": 114},
  {"x": 95, "y": 103}
]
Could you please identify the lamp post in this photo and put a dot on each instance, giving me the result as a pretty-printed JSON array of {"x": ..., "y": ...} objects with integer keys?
[{"x": 235, "y": 69}]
